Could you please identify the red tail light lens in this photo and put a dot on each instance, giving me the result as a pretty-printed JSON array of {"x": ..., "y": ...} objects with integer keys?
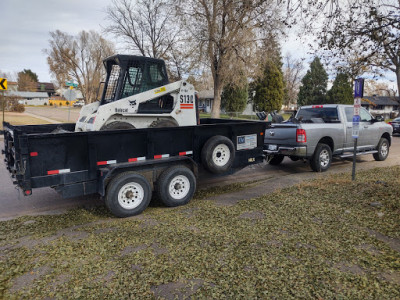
[{"x": 301, "y": 136}]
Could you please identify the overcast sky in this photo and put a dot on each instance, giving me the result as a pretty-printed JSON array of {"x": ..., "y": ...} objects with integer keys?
[{"x": 25, "y": 27}]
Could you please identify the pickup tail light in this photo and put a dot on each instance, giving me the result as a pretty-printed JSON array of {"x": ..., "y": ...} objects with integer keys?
[
  {"x": 301, "y": 136},
  {"x": 390, "y": 123}
]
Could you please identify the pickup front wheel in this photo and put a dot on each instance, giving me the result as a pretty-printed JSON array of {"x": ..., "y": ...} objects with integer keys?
[
  {"x": 322, "y": 158},
  {"x": 383, "y": 150}
]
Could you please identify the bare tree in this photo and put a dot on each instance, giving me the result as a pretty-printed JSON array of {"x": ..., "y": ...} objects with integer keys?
[
  {"x": 78, "y": 58},
  {"x": 226, "y": 34},
  {"x": 373, "y": 87},
  {"x": 292, "y": 74}
]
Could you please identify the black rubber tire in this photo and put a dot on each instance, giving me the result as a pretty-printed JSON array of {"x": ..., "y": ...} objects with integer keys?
[
  {"x": 163, "y": 123},
  {"x": 181, "y": 194},
  {"x": 221, "y": 146},
  {"x": 383, "y": 150},
  {"x": 115, "y": 199},
  {"x": 276, "y": 160},
  {"x": 294, "y": 158},
  {"x": 322, "y": 158},
  {"x": 117, "y": 125}
]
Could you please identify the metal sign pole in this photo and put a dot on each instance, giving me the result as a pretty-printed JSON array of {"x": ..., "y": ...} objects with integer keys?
[
  {"x": 358, "y": 94},
  {"x": 4, "y": 107}
]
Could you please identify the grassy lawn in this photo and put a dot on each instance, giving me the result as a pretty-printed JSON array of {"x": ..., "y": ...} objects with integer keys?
[
  {"x": 20, "y": 119},
  {"x": 246, "y": 117},
  {"x": 319, "y": 240}
]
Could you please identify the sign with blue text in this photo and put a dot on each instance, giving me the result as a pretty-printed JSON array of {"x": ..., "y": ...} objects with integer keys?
[{"x": 356, "y": 126}]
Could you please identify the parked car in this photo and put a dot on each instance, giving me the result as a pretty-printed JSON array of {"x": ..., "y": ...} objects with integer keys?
[
  {"x": 79, "y": 103},
  {"x": 396, "y": 125}
]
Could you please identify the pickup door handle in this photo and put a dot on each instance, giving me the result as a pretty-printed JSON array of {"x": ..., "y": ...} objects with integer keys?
[
  {"x": 349, "y": 127},
  {"x": 366, "y": 126}
]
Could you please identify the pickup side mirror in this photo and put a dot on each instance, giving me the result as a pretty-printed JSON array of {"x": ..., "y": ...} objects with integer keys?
[{"x": 378, "y": 119}]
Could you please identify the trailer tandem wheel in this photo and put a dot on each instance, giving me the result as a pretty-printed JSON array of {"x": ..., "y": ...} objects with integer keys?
[
  {"x": 218, "y": 154},
  {"x": 128, "y": 194},
  {"x": 176, "y": 186}
]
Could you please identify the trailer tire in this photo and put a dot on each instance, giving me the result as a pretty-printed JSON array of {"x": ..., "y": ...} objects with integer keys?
[
  {"x": 276, "y": 160},
  {"x": 117, "y": 125},
  {"x": 176, "y": 186},
  {"x": 383, "y": 150},
  {"x": 322, "y": 158},
  {"x": 218, "y": 154},
  {"x": 128, "y": 194},
  {"x": 163, "y": 123}
]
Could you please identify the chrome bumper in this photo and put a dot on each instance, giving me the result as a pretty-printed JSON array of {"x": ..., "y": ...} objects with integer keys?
[{"x": 287, "y": 151}]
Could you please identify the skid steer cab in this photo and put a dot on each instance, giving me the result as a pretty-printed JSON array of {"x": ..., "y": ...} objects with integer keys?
[{"x": 137, "y": 94}]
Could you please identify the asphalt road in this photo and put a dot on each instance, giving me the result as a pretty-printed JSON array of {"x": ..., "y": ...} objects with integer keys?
[{"x": 47, "y": 201}]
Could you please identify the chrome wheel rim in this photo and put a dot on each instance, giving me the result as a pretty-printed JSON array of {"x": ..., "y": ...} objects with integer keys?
[
  {"x": 384, "y": 149},
  {"x": 324, "y": 158}
]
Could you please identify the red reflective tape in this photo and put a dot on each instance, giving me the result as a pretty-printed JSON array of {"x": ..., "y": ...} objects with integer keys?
[
  {"x": 185, "y": 153},
  {"x": 182, "y": 153},
  {"x": 101, "y": 163},
  {"x": 34, "y": 154},
  {"x": 132, "y": 159},
  {"x": 53, "y": 172},
  {"x": 157, "y": 156}
]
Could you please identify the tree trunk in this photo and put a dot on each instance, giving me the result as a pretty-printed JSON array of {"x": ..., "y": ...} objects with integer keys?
[{"x": 216, "y": 106}]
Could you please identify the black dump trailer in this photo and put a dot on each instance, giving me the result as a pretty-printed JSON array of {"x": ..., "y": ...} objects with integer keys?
[{"x": 126, "y": 166}]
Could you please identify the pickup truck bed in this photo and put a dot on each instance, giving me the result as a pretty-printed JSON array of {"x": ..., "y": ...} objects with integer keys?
[{"x": 82, "y": 163}]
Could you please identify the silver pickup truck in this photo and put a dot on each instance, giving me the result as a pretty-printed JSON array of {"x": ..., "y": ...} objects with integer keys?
[{"x": 319, "y": 132}]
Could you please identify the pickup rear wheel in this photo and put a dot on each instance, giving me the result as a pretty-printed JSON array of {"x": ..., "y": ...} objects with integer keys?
[
  {"x": 176, "y": 186},
  {"x": 276, "y": 160},
  {"x": 218, "y": 154},
  {"x": 322, "y": 158},
  {"x": 383, "y": 150},
  {"x": 128, "y": 194}
]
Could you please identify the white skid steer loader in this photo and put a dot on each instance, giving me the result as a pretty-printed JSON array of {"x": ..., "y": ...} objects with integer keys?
[{"x": 137, "y": 94}]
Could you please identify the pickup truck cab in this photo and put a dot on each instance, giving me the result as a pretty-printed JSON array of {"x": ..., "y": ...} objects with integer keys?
[{"x": 319, "y": 132}]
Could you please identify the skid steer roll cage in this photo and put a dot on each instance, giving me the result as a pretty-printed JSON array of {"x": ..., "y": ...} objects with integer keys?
[{"x": 128, "y": 75}]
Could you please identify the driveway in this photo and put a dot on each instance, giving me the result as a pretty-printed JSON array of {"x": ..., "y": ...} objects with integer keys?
[{"x": 269, "y": 178}]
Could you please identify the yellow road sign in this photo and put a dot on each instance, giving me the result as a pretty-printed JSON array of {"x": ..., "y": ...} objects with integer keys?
[{"x": 3, "y": 84}]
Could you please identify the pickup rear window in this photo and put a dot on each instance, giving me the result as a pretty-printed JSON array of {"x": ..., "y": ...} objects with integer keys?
[{"x": 318, "y": 115}]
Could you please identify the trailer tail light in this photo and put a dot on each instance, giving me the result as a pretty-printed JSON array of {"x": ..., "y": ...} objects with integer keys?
[
  {"x": 28, "y": 192},
  {"x": 301, "y": 136}
]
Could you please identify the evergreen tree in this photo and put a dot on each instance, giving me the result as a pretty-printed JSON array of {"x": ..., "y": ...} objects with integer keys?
[
  {"x": 314, "y": 85},
  {"x": 341, "y": 91},
  {"x": 269, "y": 90},
  {"x": 234, "y": 98}
]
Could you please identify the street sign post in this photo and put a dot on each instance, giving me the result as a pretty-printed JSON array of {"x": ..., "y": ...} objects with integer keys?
[
  {"x": 3, "y": 87},
  {"x": 358, "y": 94},
  {"x": 70, "y": 83},
  {"x": 70, "y": 95}
]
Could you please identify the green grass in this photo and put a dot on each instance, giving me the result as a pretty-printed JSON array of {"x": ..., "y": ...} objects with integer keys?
[
  {"x": 318, "y": 240},
  {"x": 240, "y": 117}
]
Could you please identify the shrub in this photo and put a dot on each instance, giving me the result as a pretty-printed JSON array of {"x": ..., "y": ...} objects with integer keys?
[
  {"x": 51, "y": 103},
  {"x": 45, "y": 103},
  {"x": 67, "y": 103}
]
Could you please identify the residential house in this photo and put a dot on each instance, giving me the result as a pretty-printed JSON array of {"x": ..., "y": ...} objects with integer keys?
[
  {"x": 206, "y": 99},
  {"x": 386, "y": 106},
  {"x": 29, "y": 98},
  {"x": 46, "y": 87}
]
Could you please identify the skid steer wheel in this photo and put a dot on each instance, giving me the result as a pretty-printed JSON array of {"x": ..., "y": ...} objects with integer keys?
[
  {"x": 218, "y": 154},
  {"x": 322, "y": 158},
  {"x": 176, "y": 186},
  {"x": 117, "y": 125},
  {"x": 128, "y": 194},
  {"x": 383, "y": 150},
  {"x": 163, "y": 123},
  {"x": 276, "y": 160}
]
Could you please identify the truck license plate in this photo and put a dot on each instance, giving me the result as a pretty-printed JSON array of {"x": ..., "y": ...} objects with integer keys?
[{"x": 272, "y": 147}]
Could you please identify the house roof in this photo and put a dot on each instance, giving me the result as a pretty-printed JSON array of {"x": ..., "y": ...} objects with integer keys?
[
  {"x": 383, "y": 100},
  {"x": 206, "y": 94},
  {"x": 27, "y": 94},
  {"x": 48, "y": 86}
]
